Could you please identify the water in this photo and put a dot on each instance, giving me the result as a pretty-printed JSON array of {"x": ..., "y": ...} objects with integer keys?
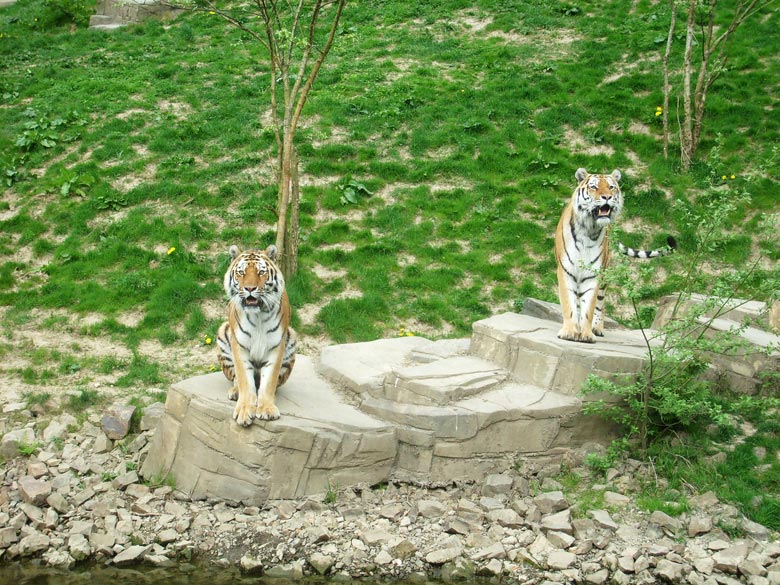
[{"x": 31, "y": 574}]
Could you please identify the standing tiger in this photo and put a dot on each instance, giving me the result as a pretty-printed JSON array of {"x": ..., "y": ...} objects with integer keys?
[
  {"x": 256, "y": 345},
  {"x": 582, "y": 252}
]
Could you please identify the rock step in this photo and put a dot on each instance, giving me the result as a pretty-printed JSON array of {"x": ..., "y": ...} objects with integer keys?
[
  {"x": 529, "y": 348},
  {"x": 319, "y": 441},
  {"x": 438, "y": 383},
  {"x": 477, "y": 435}
]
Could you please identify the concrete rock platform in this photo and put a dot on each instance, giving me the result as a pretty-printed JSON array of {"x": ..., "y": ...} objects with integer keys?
[
  {"x": 403, "y": 408},
  {"x": 319, "y": 442}
]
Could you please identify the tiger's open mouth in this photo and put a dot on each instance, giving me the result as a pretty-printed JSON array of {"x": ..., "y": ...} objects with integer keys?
[
  {"x": 251, "y": 302},
  {"x": 603, "y": 211}
]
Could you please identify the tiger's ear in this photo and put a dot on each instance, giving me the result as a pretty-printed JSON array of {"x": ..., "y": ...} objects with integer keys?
[
  {"x": 616, "y": 175},
  {"x": 581, "y": 174},
  {"x": 270, "y": 251},
  {"x": 233, "y": 251}
]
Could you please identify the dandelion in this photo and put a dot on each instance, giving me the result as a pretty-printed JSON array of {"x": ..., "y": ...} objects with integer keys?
[
  {"x": 172, "y": 249},
  {"x": 207, "y": 340},
  {"x": 659, "y": 110},
  {"x": 212, "y": 12},
  {"x": 723, "y": 177},
  {"x": 733, "y": 177}
]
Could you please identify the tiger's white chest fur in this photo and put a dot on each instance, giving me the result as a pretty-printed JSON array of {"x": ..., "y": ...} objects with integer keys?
[{"x": 258, "y": 333}]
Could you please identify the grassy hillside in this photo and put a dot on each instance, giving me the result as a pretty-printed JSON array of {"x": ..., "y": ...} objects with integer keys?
[{"x": 132, "y": 160}]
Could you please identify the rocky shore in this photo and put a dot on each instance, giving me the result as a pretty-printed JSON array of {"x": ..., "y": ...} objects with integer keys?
[{"x": 70, "y": 493}]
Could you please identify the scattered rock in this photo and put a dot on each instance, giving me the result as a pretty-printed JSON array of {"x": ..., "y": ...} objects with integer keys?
[{"x": 116, "y": 421}]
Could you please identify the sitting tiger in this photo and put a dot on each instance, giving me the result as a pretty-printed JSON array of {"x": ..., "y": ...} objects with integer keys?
[
  {"x": 256, "y": 345},
  {"x": 582, "y": 251}
]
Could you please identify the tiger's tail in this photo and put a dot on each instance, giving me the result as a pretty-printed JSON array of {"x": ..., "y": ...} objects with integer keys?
[{"x": 671, "y": 246}]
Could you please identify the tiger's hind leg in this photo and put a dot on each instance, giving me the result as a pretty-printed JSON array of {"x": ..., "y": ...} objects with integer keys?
[
  {"x": 288, "y": 361},
  {"x": 598, "y": 316},
  {"x": 225, "y": 357}
]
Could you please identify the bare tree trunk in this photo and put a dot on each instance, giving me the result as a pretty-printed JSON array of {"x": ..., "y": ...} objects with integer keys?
[
  {"x": 290, "y": 259},
  {"x": 703, "y": 81},
  {"x": 667, "y": 87},
  {"x": 686, "y": 139}
]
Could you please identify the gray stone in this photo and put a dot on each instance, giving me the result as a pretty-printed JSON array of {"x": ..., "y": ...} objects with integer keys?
[
  {"x": 443, "y": 555},
  {"x": 602, "y": 519},
  {"x": 669, "y": 571},
  {"x": 497, "y": 484},
  {"x": 598, "y": 577},
  {"x": 132, "y": 554},
  {"x": 321, "y": 563},
  {"x": 116, "y": 421},
  {"x": 102, "y": 444},
  {"x": 8, "y": 536},
  {"x": 559, "y": 522},
  {"x": 402, "y": 548},
  {"x": 250, "y": 565},
  {"x": 79, "y": 547},
  {"x": 560, "y": 539},
  {"x": 54, "y": 430},
  {"x": 755, "y": 530},
  {"x": 494, "y": 551},
  {"x": 559, "y": 560},
  {"x": 124, "y": 480},
  {"x": 615, "y": 499},
  {"x": 36, "y": 469},
  {"x": 506, "y": 518},
  {"x": 34, "y": 491},
  {"x": 699, "y": 525},
  {"x": 383, "y": 558},
  {"x": 431, "y": 508},
  {"x": 550, "y": 502},
  {"x": 151, "y": 416},
  {"x": 9, "y": 444},
  {"x": 58, "y": 559},
  {"x": 665, "y": 521},
  {"x": 287, "y": 572},
  {"x": 729, "y": 559},
  {"x": 33, "y": 543}
]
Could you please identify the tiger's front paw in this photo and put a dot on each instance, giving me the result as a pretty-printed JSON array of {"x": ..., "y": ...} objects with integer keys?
[
  {"x": 242, "y": 414},
  {"x": 267, "y": 412},
  {"x": 586, "y": 335},
  {"x": 568, "y": 333},
  {"x": 233, "y": 393}
]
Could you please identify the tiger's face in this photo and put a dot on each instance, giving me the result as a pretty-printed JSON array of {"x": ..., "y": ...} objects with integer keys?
[
  {"x": 252, "y": 280},
  {"x": 598, "y": 197}
]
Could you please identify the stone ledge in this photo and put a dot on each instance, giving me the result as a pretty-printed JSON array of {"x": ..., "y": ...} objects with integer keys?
[{"x": 319, "y": 441}]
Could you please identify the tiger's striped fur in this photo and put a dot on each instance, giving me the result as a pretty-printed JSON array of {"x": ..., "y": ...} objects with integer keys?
[
  {"x": 582, "y": 252},
  {"x": 256, "y": 345}
]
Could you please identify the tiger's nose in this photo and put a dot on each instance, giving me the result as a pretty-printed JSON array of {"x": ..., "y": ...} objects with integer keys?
[{"x": 250, "y": 289}]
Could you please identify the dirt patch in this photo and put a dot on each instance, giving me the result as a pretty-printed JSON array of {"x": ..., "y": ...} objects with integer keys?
[
  {"x": 127, "y": 183},
  {"x": 577, "y": 143}
]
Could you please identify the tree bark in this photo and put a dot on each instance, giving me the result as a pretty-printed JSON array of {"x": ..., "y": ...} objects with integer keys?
[
  {"x": 686, "y": 153},
  {"x": 667, "y": 87}
]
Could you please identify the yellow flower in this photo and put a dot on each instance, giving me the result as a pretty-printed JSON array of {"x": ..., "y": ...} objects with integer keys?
[
  {"x": 658, "y": 112},
  {"x": 733, "y": 176},
  {"x": 212, "y": 12},
  {"x": 172, "y": 249},
  {"x": 723, "y": 177},
  {"x": 208, "y": 340}
]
